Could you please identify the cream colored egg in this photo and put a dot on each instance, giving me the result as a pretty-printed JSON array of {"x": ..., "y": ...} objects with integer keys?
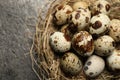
[
  {"x": 114, "y": 29},
  {"x": 99, "y": 24},
  {"x": 113, "y": 61},
  {"x": 71, "y": 64},
  {"x": 59, "y": 42},
  {"x": 94, "y": 66},
  {"x": 104, "y": 45},
  {"x": 62, "y": 14},
  {"x": 101, "y": 6},
  {"x": 81, "y": 18}
]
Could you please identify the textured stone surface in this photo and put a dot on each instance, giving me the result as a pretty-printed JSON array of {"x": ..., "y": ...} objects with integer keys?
[{"x": 17, "y": 26}]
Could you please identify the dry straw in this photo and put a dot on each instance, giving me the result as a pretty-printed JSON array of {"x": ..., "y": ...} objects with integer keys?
[{"x": 44, "y": 63}]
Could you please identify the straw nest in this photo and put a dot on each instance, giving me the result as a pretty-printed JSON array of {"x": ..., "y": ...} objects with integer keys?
[{"x": 44, "y": 62}]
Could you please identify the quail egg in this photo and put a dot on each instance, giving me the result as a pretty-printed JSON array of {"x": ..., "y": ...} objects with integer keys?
[
  {"x": 99, "y": 24},
  {"x": 59, "y": 42},
  {"x": 101, "y": 6},
  {"x": 113, "y": 61},
  {"x": 82, "y": 43},
  {"x": 104, "y": 45},
  {"x": 62, "y": 14},
  {"x": 114, "y": 29},
  {"x": 94, "y": 66},
  {"x": 70, "y": 63},
  {"x": 81, "y": 18}
]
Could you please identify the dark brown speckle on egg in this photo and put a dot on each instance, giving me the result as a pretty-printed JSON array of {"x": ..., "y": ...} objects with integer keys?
[
  {"x": 60, "y": 7},
  {"x": 107, "y": 7},
  {"x": 78, "y": 11},
  {"x": 77, "y": 16},
  {"x": 87, "y": 19},
  {"x": 97, "y": 25},
  {"x": 118, "y": 54},
  {"x": 73, "y": 60},
  {"x": 86, "y": 68},
  {"x": 68, "y": 12},
  {"x": 55, "y": 41},
  {"x": 89, "y": 63},
  {"x": 64, "y": 57},
  {"x": 100, "y": 6},
  {"x": 96, "y": 12},
  {"x": 91, "y": 73},
  {"x": 118, "y": 37},
  {"x": 99, "y": 46}
]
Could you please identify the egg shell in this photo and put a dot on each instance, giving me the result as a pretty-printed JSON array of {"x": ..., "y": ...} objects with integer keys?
[
  {"x": 101, "y": 6},
  {"x": 113, "y": 61},
  {"x": 59, "y": 42},
  {"x": 99, "y": 24},
  {"x": 82, "y": 43},
  {"x": 81, "y": 18},
  {"x": 94, "y": 66},
  {"x": 104, "y": 45},
  {"x": 114, "y": 29},
  {"x": 62, "y": 14},
  {"x": 71, "y": 64}
]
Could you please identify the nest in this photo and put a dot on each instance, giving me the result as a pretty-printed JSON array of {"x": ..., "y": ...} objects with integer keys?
[{"x": 44, "y": 62}]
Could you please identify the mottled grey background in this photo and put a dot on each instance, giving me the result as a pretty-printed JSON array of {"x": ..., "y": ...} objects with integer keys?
[{"x": 17, "y": 27}]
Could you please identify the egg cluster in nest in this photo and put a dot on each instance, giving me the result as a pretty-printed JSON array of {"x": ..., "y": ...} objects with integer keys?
[
  {"x": 88, "y": 33},
  {"x": 83, "y": 41}
]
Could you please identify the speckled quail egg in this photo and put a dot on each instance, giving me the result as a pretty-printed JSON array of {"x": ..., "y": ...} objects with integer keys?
[
  {"x": 79, "y": 5},
  {"x": 99, "y": 24},
  {"x": 101, "y": 6},
  {"x": 62, "y": 14},
  {"x": 113, "y": 61},
  {"x": 59, "y": 42},
  {"x": 82, "y": 43},
  {"x": 114, "y": 29},
  {"x": 71, "y": 64},
  {"x": 104, "y": 45},
  {"x": 94, "y": 66},
  {"x": 81, "y": 18}
]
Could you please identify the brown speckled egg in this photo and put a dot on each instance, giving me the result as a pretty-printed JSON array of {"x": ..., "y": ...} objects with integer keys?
[
  {"x": 82, "y": 43},
  {"x": 94, "y": 66},
  {"x": 62, "y": 14},
  {"x": 81, "y": 18},
  {"x": 99, "y": 24},
  {"x": 59, "y": 42},
  {"x": 71, "y": 64},
  {"x": 113, "y": 61},
  {"x": 104, "y": 45},
  {"x": 114, "y": 29},
  {"x": 101, "y": 6}
]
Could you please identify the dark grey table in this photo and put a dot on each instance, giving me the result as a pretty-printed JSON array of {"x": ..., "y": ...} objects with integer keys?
[{"x": 17, "y": 27}]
